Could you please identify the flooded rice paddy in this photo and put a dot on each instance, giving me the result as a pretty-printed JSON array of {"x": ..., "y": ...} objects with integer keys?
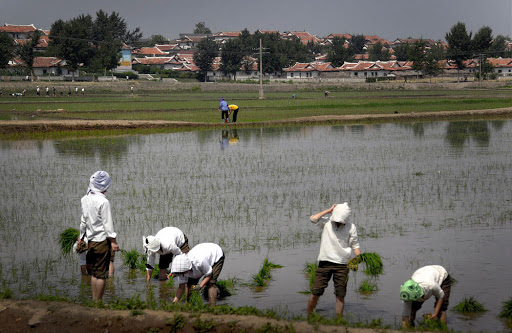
[{"x": 425, "y": 193}]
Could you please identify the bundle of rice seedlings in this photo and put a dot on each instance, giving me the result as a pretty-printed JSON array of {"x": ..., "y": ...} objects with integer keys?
[
  {"x": 469, "y": 305},
  {"x": 372, "y": 262},
  {"x": 506, "y": 310},
  {"x": 67, "y": 238}
]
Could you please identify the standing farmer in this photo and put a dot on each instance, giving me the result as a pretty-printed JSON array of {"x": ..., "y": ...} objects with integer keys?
[
  {"x": 339, "y": 239},
  {"x": 97, "y": 225},
  {"x": 223, "y": 107}
]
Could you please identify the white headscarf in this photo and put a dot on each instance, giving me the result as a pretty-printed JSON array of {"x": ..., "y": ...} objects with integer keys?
[{"x": 99, "y": 182}]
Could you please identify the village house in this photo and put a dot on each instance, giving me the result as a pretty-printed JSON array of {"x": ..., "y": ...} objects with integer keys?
[
  {"x": 502, "y": 66},
  {"x": 223, "y": 36},
  {"x": 18, "y": 31},
  {"x": 49, "y": 66},
  {"x": 311, "y": 70},
  {"x": 171, "y": 63},
  {"x": 376, "y": 69}
]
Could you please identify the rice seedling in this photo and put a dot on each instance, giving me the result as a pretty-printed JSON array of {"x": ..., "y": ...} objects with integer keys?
[
  {"x": 176, "y": 323},
  {"x": 469, "y": 305},
  {"x": 431, "y": 324},
  {"x": 133, "y": 259},
  {"x": 367, "y": 287},
  {"x": 506, "y": 309},
  {"x": 260, "y": 279},
  {"x": 372, "y": 262},
  {"x": 310, "y": 273},
  {"x": 67, "y": 238}
]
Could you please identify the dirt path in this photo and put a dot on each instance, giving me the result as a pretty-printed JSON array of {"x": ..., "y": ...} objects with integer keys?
[
  {"x": 39, "y": 316},
  {"x": 16, "y": 126}
]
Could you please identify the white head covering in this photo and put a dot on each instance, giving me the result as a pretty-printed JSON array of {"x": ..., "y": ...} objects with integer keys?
[
  {"x": 180, "y": 264},
  {"x": 151, "y": 243},
  {"x": 340, "y": 213},
  {"x": 99, "y": 182}
]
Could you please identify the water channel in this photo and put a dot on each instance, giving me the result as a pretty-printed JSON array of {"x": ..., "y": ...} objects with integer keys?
[{"x": 423, "y": 193}]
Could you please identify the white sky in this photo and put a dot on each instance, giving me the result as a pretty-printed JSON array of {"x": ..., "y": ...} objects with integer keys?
[{"x": 389, "y": 19}]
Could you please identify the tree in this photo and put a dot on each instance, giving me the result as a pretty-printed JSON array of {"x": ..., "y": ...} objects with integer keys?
[
  {"x": 92, "y": 43},
  {"x": 377, "y": 52},
  {"x": 417, "y": 55},
  {"x": 158, "y": 39},
  {"x": 482, "y": 40},
  {"x": 6, "y": 49},
  {"x": 438, "y": 51},
  {"x": 207, "y": 50},
  {"x": 459, "y": 44},
  {"x": 26, "y": 51},
  {"x": 357, "y": 43},
  {"x": 402, "y": 51},
  {"x": 201, "y": 28},
  {"x": 231, "y": 57},
  {"x": 72, "y": 40},
  {"x": 338, "y": 52},
  {"x": 498, "y": 47}
]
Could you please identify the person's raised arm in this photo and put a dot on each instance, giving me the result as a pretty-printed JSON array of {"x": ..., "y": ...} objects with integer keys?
[{"x": 318, "y": 216}]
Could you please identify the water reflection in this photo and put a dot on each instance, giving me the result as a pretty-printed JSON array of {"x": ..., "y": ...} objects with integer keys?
[
  {"x": 228, "y": 138},
  {"x": 104, "y": 149},
  {"x": 458, "y": 133}
]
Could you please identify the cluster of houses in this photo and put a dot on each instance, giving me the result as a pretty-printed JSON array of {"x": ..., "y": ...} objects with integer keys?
[{"x": 179, "y": 56}]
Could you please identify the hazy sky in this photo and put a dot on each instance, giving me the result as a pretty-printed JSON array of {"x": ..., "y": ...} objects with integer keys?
[{"x": 389, "y": 19}]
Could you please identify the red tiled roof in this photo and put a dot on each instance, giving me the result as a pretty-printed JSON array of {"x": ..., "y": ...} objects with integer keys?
[
  {"x": 375, "y": 39},
  {"x": 151, "y": 51},
  {"x": 310, "y": 67},
  {"x": 167, "y": 47},
  {"x": 156, "y": 60},
  {"x": 391, "y": 65},
  {"x": 500, "y": 62},
  {"x": 44, "y": 62},
  {"x": 228, "y": 34},
  {"x": 11, "y": 28}
]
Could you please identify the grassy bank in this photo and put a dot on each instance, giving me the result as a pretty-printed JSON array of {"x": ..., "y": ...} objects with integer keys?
[{"x": 200, "y": 107}]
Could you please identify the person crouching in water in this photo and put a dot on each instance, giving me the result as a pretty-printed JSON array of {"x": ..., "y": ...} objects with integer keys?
[
  {"x": 424, "y": 283},
  {"x": 168, "y": 242},
  {"x": 203, "y": 260}
]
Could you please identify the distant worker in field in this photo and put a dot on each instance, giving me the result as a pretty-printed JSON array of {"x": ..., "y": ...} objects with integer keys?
[
  {"x": 338, "y": 241},
  {"x": 168, "y": 242},
  {"x": 223, "y": 107},
  {"x": 326, "y": 93},
  {"x": 233, "y": 109},
  {"x": 38, "y": 91},
  {"x": 425, "y": 282},
  {"x": 47, "y": 91},
  {"x": 204, "y": 260}
]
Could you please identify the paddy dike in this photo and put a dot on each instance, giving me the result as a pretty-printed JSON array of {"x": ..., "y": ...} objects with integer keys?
[
  {"x": 24, "y": 126},
  {"x": 42, "y": 316}
]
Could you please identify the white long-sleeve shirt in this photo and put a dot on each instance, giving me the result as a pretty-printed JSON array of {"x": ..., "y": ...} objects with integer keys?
[
  {"x": 430, "y": 279},
  {"x": 171, "y": 239},
  {"x": 96, "y": 221},
  {"x": 336, "y": 243},
  {"x": 202, "y": 256}
]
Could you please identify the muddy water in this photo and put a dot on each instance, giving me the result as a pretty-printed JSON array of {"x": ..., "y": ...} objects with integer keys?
[{"x": 426, "y": 193}]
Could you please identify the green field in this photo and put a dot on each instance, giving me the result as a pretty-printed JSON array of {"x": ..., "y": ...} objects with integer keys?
[{"x": 194, "y": 105}]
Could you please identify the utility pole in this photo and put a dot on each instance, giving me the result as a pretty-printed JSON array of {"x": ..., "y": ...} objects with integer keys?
[{"x": 261, "y": 73}]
